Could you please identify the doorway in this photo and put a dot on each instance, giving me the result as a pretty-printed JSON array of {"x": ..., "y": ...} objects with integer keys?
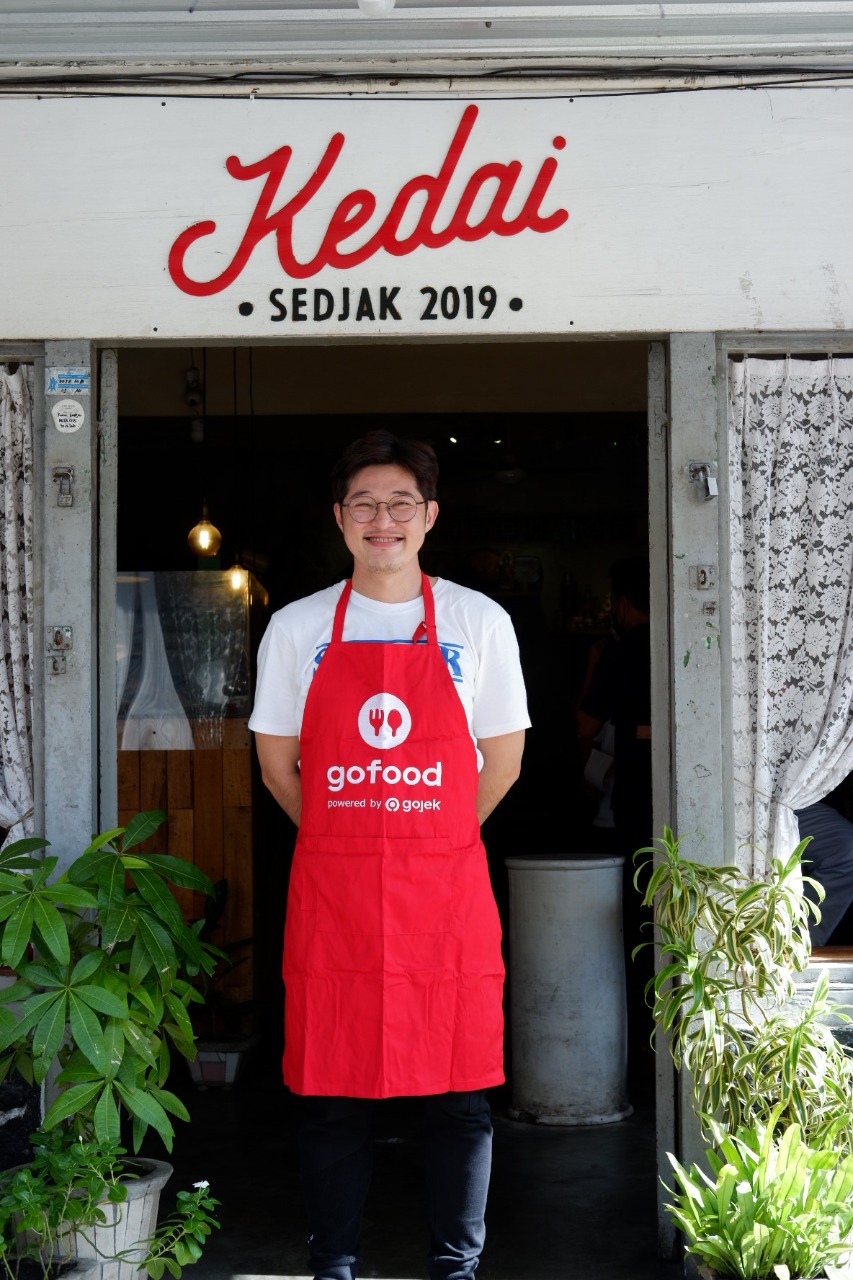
[
  {"x": 543, "y": 452},
  {"x": 543, "y": 484}
]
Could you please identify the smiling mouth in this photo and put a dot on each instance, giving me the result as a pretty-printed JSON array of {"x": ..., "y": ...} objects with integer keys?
[{"x": 383, "y": 540}]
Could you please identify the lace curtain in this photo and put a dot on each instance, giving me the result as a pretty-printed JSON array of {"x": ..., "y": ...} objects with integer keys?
[
  {"x": 16, "y": 600},
  {"x": 791, "y": 485}
]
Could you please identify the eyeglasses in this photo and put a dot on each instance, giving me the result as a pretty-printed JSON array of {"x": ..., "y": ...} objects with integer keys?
[{"x": 401, "y": 510}]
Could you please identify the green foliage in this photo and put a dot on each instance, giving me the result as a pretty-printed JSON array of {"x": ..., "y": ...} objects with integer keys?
[
  {"x": 61, "y": 1192},
  {"x": 104, "y": 967},
  {"x": 105, "y": 970},
  {"x": 772, "y": 1087},
  {"x": 43, "y": 1202},
  {"x": 220, "y": 1017},
  {"x": 723, "y": 995},
  {"x": 770, "y": 1203},
  {"x": 179, "y": 1240}
]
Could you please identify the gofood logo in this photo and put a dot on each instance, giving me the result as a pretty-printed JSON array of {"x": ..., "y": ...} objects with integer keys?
[{"x": 384, "y": 721}]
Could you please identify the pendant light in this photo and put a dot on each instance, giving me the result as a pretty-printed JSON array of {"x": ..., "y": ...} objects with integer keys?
[
  {"x": 238, "y": 577},
  {"x": 204, "y": 539}
]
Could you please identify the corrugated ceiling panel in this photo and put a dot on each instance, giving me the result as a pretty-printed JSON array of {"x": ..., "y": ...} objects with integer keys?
[{"x": 108, "y": 37}]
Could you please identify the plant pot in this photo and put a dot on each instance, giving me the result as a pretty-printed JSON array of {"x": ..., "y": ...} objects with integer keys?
[
  {"x": 127, "y": 1225},
  {"x": 567, "y": 990},
  {"x": 219, "y": 1063}
]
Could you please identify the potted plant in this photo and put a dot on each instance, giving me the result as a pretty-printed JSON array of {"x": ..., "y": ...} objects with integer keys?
[
  {"x": 772, "y": 1205},
  {"x": 72, "y": 1208},
  {"x": 772, "y": 1087},
  {"x": 223, "y": 1023},
  {"x": 101, "y": 965}
]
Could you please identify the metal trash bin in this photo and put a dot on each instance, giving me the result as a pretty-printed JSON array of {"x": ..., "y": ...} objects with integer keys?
[{"x": 567, "y": 992}]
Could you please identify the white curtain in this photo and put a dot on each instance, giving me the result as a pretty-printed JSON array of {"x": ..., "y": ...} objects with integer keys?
[
  {"x": 156, "y": 720},
  {"x": 16, "y": 600},
  {"x": 791, "y": 484},
  {"x": 125, "y": 600}
]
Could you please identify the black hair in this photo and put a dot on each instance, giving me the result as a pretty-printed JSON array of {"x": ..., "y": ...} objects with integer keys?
[{"x": 381, "y": 449}]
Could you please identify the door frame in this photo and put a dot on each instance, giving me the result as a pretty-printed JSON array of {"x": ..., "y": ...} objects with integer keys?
[{"x": 674, "y": 367}]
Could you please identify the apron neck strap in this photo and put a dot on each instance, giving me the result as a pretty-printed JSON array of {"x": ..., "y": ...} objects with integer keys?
[
  {"x": 340, "y": 611},
  {"x": 428, "y": 624},
  {"x": 427, "y": 627}
]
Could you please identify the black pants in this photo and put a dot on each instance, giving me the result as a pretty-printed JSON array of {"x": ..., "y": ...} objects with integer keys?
[
  {"x": 829, "y": 860},
  {"x": 336, "y": 1148}
]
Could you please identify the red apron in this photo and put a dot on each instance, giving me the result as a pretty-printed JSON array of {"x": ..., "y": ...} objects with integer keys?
[{"x": 392, "y": 958}]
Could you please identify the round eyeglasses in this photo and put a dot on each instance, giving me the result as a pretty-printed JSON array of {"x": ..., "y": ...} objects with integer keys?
[{"x": 402, "y": 510}]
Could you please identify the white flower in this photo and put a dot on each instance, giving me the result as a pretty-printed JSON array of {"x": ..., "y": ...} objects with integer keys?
[{"x": 203, "y": 1183}]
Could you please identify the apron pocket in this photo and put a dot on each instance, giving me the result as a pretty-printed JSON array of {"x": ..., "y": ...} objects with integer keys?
[
  {"x": 417, "y": 894},
  {"x": 348, "y": 893},
  {"x": 392, "y": 895}
]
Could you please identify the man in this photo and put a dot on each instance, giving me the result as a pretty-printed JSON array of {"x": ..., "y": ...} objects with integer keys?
[
  {"x": 388, "y": 754},
  {"x": 829, "y": 860}
]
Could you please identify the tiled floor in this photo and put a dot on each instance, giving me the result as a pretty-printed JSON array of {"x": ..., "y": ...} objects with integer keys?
[{"x": 564, "y": 1204}]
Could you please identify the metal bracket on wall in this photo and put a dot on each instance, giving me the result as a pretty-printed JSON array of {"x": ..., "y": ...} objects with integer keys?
[
  {"x": 58, "y": 641},
  {"x": 703, "y": 472},
  {"x": 64, "y": 477},
  {"x": 703, "y": 577}
]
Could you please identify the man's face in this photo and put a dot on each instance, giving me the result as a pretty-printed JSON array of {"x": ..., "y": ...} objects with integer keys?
[{"x": 384, "y": 545}]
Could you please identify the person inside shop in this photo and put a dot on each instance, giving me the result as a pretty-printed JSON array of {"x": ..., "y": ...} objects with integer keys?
[
  {"x": 390, "y": 719},
  {"x": 828, "y": 858},
  {"x": 617, "y": 689}
]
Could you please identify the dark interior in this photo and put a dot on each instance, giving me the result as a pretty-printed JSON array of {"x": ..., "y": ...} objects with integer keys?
[{"x": 534, "y": 507}]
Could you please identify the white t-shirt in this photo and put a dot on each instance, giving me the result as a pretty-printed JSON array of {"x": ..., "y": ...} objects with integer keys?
[{"x": 475, "y": 634}]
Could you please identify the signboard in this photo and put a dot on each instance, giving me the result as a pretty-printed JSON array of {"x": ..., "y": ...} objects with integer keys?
[{"x": 252, "y": 220}]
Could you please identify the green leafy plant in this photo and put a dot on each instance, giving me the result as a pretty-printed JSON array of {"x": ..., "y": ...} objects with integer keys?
[
  {"x": 103, "y": 963},
  {"x": 62, "y": 1192},
  {"x": 770, "y": 1203},
  {"x": 772, "y": 1087},
  {"x": 104, "y": 970},
  {"x": 220, "y": 1017},
  {"x": 41, "y": 1203},
  {"x": 180, "y": 1238},
  {"x": 724, "y": 996}
]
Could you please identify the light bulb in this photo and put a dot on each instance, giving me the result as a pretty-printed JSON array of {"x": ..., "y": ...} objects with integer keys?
[
  {"x": 237, "y": 577},
  {"x": 204, "y": 539}
]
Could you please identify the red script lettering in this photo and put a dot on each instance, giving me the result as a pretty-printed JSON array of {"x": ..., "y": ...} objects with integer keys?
[{"x": 357, "y": 209}]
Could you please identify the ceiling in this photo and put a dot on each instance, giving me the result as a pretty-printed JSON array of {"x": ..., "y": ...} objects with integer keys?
[{"x": 59, "y": 39}]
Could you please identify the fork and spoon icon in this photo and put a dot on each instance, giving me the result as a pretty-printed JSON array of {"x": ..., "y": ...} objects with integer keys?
[{"x": 377, "y": 718}]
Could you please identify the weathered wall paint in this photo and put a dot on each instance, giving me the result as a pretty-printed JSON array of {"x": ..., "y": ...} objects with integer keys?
[
  {"x": 695, "y": 616},
  {"x": 697, "y": 674},
  {"x": 66, "y": 733}
]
